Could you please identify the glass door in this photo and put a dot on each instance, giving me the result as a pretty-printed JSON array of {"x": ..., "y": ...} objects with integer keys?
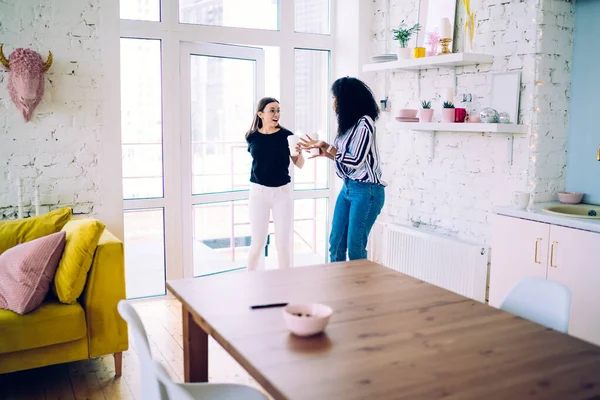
[{"x": 220, "y": 86}]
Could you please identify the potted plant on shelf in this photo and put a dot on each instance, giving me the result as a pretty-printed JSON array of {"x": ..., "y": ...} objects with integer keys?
[
  {"x": 448, "y": 111},
  {"x": 403, "y": 35},
  {"x": 426, "y": 112}
]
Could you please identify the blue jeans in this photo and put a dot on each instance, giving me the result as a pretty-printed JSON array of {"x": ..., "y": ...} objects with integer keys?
[{"x": 356, "y": 209}]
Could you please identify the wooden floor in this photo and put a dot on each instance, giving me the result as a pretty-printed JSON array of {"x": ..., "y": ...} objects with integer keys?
[{"x": 94, "y": 379}]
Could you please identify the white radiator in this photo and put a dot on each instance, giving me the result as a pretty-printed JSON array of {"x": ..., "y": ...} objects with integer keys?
[{"x": 443, "y": 261}]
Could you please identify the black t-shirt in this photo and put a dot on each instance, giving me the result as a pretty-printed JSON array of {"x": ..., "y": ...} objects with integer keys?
[{"x": 270, "y": 158}]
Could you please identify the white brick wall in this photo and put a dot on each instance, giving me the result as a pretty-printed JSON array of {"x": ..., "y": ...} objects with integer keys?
[
  {"x": 455, "y": 192},
  {"x": 62, "y": 149}
]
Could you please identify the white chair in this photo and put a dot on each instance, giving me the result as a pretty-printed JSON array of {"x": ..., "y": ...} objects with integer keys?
[
  {"x": 216, "y": 391},
  {"x": 156, "y": 383},
  {"x": 541, "y": 301}
]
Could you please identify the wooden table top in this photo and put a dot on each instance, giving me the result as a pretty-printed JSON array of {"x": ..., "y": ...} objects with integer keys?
[{"x": 391, "y": 336}]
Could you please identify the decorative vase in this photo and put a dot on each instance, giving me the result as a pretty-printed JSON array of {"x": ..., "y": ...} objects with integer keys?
[
  {"x": 468, "y": 27},
  {"x": 425, "y": 115},
  {"x": 489, "y": 116},
  {"x": 504, "y": 118},
  {"x": 419, "y": 52},
  {"x": 467, "y": 44},
  {"x": 448, "y": 115},
  {"x": 405, "y": 53}
]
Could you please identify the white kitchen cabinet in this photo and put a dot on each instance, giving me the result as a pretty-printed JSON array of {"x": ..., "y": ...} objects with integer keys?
[
  {"x": 575, "y": 262},
  {"x": 519, "y": 250},
  {"x": 523, "y": 248}
]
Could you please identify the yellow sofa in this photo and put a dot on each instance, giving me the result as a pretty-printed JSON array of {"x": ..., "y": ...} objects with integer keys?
[{"x": 57, "y": 333}]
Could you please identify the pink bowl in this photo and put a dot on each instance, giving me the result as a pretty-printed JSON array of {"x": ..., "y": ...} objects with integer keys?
[
  {"x": 407, "y": 113},
  {"x": 570, "y": 197},
  {"x": 306, "y": 319}
]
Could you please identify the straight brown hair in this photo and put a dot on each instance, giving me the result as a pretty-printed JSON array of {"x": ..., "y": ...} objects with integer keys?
[{"x": 256, "y": 121}]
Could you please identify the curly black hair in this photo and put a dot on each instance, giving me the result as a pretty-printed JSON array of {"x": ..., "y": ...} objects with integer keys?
[{"x": 354, "y": 100}]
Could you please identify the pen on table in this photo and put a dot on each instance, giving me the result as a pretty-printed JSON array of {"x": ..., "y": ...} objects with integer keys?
[{"x": 269, "y": 305}]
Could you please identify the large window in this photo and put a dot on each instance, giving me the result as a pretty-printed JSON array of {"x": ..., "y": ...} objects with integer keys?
[
  {"x": 220, "y": 89},
  {"x": 312, "y": 16},
  {"x": 141, "y": 118},
  {"x": 311, "y": 113},
  {"x": 144, "y": 252},
  {"x": 143, "y": 10},
  {"x": 221, "y": 236},
  {"x": 192, "y": 72},
  {"x": 256, "y": 14}
]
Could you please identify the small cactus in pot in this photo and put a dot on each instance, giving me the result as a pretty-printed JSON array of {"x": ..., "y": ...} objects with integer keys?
[
  {"x": 425, "y": 113},
  {"x": 448, "y": 111}
]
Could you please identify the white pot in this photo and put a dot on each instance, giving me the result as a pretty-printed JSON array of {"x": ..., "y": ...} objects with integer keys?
[{"x": 405, "y": 52}]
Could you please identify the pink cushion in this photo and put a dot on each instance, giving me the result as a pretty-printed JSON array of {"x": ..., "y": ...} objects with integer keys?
[{"x": 26, "y": 271}]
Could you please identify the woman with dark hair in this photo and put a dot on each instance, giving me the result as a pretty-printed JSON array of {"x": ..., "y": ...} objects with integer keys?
[
  {"x": 356, "y": 158},
  {"x": 270, "y": 187}
]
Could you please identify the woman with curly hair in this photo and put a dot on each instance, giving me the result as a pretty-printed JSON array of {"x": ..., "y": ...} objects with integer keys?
[{"x": 356, "y": 157}]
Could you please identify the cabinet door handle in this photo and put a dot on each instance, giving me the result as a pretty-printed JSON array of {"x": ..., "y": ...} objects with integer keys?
[
  {"x": 552, "y": 254},
  {"x": 535, "y": 255}
]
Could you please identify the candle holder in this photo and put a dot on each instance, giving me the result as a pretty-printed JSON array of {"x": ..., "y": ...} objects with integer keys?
[{"x": 445, "y": 43}]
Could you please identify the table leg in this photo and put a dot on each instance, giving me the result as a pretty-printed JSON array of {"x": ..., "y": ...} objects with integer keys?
[{"x": 195, "y": 350}]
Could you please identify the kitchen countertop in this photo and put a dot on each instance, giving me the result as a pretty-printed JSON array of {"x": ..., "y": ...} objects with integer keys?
[{"x": 536, "y": 214}]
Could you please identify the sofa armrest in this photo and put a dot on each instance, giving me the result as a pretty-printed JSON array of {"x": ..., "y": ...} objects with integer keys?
[{"x": 105, "y": 286}]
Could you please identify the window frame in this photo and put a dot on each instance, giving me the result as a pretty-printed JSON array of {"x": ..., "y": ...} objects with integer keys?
[{"x": 172, "y": 34}]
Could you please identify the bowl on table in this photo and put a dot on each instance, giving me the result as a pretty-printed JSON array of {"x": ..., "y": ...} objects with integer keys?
[
  {"x": 570, "y": 197},
  {"x": 306, "y": 319},
  {"x": 407, "y": 113}
]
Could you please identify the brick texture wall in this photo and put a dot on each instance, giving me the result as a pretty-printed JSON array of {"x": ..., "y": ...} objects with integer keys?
[
  {"x": 469, "y": 174},
  {"x": 61, "y": 149}
]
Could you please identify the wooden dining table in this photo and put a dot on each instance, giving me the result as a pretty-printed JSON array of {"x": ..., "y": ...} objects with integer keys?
[{"x": 391, "y": 336}]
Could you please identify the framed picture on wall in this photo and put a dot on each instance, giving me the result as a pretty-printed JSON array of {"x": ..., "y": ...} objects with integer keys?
[
  {"x": 506, "y": 90},
  {"x": 431, "y": 14}
]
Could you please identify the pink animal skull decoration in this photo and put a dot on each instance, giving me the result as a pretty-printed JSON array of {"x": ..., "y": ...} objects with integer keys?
[{"x": 25, "y": 78}]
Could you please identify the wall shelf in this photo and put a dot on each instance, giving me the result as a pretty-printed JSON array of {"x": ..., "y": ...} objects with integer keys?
[
  {"x": 510, "y": 130},
  {"x": 445, "y": 61},
  {"x": 463, "y": 127}
]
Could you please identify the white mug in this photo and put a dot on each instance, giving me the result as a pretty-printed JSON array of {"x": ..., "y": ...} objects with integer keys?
[
  {"x": 292, "y": 142},
  {"x": 521, "y": 199}
]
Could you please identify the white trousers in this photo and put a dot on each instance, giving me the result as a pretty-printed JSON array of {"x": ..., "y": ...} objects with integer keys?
[{"x": 263, "y": 200}]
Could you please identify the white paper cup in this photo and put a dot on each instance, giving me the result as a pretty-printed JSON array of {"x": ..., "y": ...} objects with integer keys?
[{"x": 292, "y": 142}]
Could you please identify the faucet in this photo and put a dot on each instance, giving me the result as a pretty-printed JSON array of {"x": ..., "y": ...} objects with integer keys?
[{"x": 598, "y": 154}]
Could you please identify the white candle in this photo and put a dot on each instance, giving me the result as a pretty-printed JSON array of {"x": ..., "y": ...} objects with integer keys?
[
  {"x": 449, "y": 95},
  {"x": 445, "y": 29},
  {"x": 19, "y": 198},
  {"x": 36, "y": 199}
]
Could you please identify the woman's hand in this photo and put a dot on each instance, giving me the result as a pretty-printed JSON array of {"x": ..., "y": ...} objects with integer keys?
[
  {"x": 310, "y": 143},
  {"x": 298, "y": 159}
]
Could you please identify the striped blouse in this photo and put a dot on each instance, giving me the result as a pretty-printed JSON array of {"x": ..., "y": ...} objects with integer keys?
[{"x": 357, "y": 155}]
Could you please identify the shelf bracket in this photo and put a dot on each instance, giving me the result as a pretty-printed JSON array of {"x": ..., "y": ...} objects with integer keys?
[
  {"x": 454, "y": 80},
  {"x": 509, "y": 149},
  {"x": 431, "y": 145}
]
